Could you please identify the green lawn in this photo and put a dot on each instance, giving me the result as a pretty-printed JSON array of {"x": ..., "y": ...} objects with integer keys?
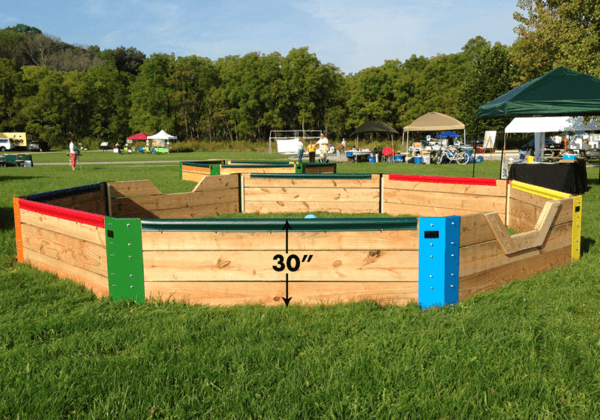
[{"x": 528, "y": 350}]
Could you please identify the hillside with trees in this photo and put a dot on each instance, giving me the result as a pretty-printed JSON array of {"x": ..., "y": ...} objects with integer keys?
[{"x": 55, "y": 90}]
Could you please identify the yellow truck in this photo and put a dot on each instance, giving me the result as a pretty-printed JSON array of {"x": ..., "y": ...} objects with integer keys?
[{"x": 21, "y": 140}]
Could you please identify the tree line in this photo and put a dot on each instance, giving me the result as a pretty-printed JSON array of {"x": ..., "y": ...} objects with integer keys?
[{"x": 56, "y": 91}]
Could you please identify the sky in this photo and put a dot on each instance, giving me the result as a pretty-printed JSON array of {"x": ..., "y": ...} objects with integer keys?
[{"x": 352, "y": 35}]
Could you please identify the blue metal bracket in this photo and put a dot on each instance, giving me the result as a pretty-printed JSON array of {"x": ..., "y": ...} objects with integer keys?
[{"x": 439, "y": 244}]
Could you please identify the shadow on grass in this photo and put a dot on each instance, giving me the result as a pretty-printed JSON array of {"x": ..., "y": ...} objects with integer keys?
[
  {"x": 586, "y": 244},
  {"x": 13, "y": 178},
  {"x": 7, "y": 218}
]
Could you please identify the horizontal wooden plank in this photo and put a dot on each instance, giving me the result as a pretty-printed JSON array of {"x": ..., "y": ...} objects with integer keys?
[
  {"x": 217, "y": 183},
  {"x": 275, "y": 241},
  {"x": 190, "y": 176},
  {"x": 311, "y": 183},
  {"x": 533, "y": 199},
  {"x": 498, "y": 191},
  {"x": 271, "y": 293},
  {"x": 264, "y": 170},
  {"x": 132, "y": 188},
  {"x": 258, "y": 266},
  {"x": 487, "y": 255},
  {"x": 475, "y": 203},
  {"x": 310, "y": 206},
  {"x": 394, "y": 209},
  {"x": 127, "y": 206},
  {"x": 195, "y": 169},
  {"x": 97, "y": 283},
  {"x": 90, "y": 202},
  {"x": 197, "y": 211},
  {"x": 86, "y": 255},
  {"x": 76, "y": 230},
  {"x": 311, "y": 194},
  {"x": 494, "y": 278}
]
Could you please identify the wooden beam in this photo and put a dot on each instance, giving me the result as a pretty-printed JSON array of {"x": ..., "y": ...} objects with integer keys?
[
  {"x": 546, "y": 220},
  {"x": 217, "y": 183},
  {"x": 310, "y": 206},
  {"x": 502, "y": 236},
  {"x": 313, "y": 194},
  {"x": 359, "y": 266},
  {"x": 387, "y": 240},
  {"x": 271, "y": 293},
  {"x": 133, "y": 189},
  {"x": 312, "y": 183},
  {"x": 76, "y": 230}
]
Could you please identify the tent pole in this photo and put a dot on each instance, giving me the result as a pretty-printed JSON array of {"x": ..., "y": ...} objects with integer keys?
[
  {"x": 474, "y": 144},
  {"x": 503, "y": 149}
]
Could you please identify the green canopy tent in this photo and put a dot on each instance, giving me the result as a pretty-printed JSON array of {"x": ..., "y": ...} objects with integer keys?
[
  {"x": 560, "y": 92},
  {"x": 375, "y": 127}
]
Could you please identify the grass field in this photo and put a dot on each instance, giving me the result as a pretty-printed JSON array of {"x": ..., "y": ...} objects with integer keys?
[{"x": 528, "y": 350}]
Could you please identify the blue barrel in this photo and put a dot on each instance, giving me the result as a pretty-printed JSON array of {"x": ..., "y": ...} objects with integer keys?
[
  {"x": 371, "y": 159},
  {"x": 398, "y": 158},
  {"x": 418, "y": 160},
  {"x": 469, "y": 152}
]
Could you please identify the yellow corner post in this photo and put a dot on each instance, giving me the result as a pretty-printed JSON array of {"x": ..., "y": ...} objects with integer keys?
[{"x": 576, "y": 241}]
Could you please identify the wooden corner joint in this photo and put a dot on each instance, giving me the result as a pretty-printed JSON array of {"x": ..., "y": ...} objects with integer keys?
[{"x": 526, "y": 240}]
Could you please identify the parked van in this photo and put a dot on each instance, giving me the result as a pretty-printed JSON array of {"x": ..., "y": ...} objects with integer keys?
[{"x": 6, "y": 144}]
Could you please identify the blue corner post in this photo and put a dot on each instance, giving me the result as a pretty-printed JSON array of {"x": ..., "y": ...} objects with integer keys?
[{"x": 439, "y": 243}]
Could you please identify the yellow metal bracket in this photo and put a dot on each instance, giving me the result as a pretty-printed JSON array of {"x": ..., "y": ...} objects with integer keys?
[
  {"x": 541, "y": 191},
  {"x": 576, "y": 244}
]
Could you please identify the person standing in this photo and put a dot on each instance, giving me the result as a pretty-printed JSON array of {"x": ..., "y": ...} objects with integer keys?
[
  {"x": 73, "y": 154},
  {"x": 311, "y": 151},
  {"x": 300, "y": 149},
  {"x": 344, "y": 144},
  {"x": 324, "y": 148}
]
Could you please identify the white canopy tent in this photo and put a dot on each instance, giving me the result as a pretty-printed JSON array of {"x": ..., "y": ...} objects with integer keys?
[
  {"x": 542, "y": 125},
  {"x": 161, "y": 135}
]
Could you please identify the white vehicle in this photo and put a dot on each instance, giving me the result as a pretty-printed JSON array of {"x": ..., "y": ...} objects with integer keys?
[{"x": 6, "y": 144}]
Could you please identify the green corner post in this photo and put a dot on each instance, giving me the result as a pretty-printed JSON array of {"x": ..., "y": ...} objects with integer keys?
[{"x": 124, "y": 259}]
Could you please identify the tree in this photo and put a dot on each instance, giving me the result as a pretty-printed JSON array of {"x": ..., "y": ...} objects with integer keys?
[
  {"x": 127, "y": 60},
  {"x": 41, "y": 48},
  {"x": 10, "y": 81},
  {"x": 555, "y": 33},
  {"x": 491, "y": 76}
]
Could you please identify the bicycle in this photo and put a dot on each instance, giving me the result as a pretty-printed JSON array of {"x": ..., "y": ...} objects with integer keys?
[{"x": 462, "y": 158}]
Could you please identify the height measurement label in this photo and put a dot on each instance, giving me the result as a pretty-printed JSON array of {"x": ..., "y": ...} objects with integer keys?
[{"x": 292, "y": 263}]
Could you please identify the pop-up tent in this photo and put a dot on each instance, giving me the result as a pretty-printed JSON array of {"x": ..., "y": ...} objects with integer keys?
[
  {"x": 432, "y": 121},
  {"x": 375, "y": 127},
  {"x": 138, "y": 137},
  {"x": 162, "y": 136},
  {"x": 560, "y": 92},
  {"x": 447, "y": 134},
  {"x": 550, "y": 125}
]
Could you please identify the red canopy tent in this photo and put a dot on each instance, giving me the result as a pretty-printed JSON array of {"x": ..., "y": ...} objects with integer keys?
[{"x": 138, "y": 136}]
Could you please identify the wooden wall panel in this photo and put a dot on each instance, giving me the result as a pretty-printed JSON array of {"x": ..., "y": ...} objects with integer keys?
[
  {"x": 484, "y": 190},
  {"x": 97, "y": 283},
  {"x": 275, "y": 241},
  {"x": 312, "y": 194},
  {"x": 394, "y": 209},
  {"x": 75, "y": 230},
  {"x": 270, "y": 293},
  {"x": 218, "y": 183},
  {"x": 258, "y": 266},
  {"x": 90, "y": 202},
  {"x": 304, "y": 206},
  {"x": 191, "y": 176},
  {"x": 494, "y": 278},
  {"x": 311, "y": 183},
  {"x": 132, "y": 189}
]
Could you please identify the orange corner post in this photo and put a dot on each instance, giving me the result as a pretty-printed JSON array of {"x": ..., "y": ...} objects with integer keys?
[{"x": 18, "y": 235}]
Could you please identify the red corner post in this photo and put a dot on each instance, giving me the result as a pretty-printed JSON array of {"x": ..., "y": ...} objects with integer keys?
[{"x": 18, "y": 235}]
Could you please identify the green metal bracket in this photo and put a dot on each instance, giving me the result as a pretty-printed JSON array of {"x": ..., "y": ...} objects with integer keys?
[
  {"x": 300, "y": 168},
  {"x": 215, "y": 169},
  {"x": 124, "y": 258},
  {"x": 180, "y": 170}
]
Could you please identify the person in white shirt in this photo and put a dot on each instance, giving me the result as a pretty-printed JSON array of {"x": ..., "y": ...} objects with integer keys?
[
  {"x": 324, "y": 148},
  {"x": 73, "y": 154},
  {"x": 300, "y": 149}
]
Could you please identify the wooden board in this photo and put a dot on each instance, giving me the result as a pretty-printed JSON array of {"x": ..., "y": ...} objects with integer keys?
[
  {"x": 91, "y": 202},
  {"x": 197, "y": 211},
  {"x": 72, "y": 251},
  {"x": 258, "y": 266},
  {"x": 98, "y": 284},
  {"x": 217, "y": 183},
  {"x": 196, "y": 169},
  {"x": 132, "y": 189},
  {"x": 494, "y": 278},
  {"x": 76, "y": 230},
  {"x": 275, "y": 241},
  {"x": 265, "y": 170},
  {"x": 474, "y": 203},
  {"x": 310, "y": 183},
  {"x": 306, "y": 207},
  {"x": 270, "y": 293},
  {"x": 127, "y": 207},
  {"x": 487, "y": 255},
  {"x": 474, "y": 229},
  {"x": 524, "y": 215},
  {"x": 394, "y": 209},
  {"x": 498, "y": 191},
  {"x": 189, "y": 176},
  {"x": 533, "y": 199},
  {"x": 312, "y": 194}
]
